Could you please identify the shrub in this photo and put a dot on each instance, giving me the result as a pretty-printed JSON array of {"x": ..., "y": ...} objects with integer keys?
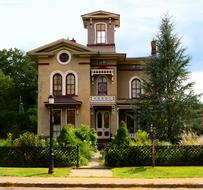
[
  {"x": 86, "y": 134},
  {"x": 191, "y": 138},
  {"x": 122, "y": 136},
  {"x": 85, "y": 152},
  {"x": 28, "y": 139},
  {"x": 6, "y": 142},
  {"x": 67, "y": 136},
  {"x": 83, "y": 136},
  {"x": 165, "y": 155},
  {"x": 142, "y": 138},
  {"x": 163, "y": 143}
]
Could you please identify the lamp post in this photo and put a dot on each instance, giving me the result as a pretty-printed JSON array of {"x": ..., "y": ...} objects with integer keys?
[
  {"x": 153, "y": 145},
  {"x": 51, "y": 153}
]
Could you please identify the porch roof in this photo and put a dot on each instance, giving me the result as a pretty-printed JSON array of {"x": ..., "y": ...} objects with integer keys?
[{"x": 60, "y": 102}]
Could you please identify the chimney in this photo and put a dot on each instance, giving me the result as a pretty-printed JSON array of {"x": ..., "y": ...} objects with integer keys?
[
  {"x": 73, "y": 40},
  {"x": 153, "y": 47}
]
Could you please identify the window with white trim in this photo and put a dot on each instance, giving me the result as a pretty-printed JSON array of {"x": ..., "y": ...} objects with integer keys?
[
  {"x": 57, "y": 85},
  {"x": 70, "y": 84},
  {"x": 100, "y": 33},
  {"x": 135, "y": 88},
  {"x": 102, "y": 86}
]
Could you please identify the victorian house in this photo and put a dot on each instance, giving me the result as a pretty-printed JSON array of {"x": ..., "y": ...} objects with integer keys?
[{"x": 91, "y": 84}]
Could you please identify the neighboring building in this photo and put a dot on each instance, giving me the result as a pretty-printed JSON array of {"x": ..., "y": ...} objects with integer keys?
[{"x": 91, "y": 84}]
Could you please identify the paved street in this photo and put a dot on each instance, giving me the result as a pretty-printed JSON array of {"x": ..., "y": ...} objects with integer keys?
[{"x": 22, "y": 188}]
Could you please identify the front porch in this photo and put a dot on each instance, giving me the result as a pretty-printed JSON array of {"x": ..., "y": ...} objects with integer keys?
[{"x": 106, "y": 115}]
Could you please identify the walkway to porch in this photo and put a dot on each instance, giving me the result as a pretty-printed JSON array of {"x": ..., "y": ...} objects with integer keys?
[{"x": 92, "y": 169}]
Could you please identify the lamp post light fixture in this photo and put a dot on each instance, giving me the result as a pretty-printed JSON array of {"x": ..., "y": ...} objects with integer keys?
[{"x": 51, "y": 152}]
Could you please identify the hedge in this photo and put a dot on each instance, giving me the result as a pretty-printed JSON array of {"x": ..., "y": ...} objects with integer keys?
[
  {"x": 38, "y": 156},
  {"x": 165, "y": 155}
]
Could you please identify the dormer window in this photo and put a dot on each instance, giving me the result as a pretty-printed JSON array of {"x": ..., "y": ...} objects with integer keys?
[{"x": 100, "y": 33}]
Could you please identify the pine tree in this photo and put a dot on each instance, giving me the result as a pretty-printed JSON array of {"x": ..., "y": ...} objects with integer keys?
[
  {"x": 169, "y": 99},
  {"x": 122, "y": 136}
]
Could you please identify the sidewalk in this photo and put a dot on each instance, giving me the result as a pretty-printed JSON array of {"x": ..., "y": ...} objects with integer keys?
[{"x": 57, "y": 182}]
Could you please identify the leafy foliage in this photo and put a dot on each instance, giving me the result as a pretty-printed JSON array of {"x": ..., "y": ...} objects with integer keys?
[
  {"x": 85, "y": 133},
  {"x": 29, "y": 139},
  {"x": 122, "y": 136},
  {"x": 6, "y": 142},
  {"x": 67, "y": 136},
  {"x": 83, "y": 136},
  {"x": 18, "y": 79},
  {"x": 142, "y": 138}
]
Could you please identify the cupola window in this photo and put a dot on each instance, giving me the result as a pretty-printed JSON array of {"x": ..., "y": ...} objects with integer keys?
[{"x": 100, "y": 33}]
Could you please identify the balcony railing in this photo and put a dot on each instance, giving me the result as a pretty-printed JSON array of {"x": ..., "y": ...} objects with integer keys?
[
  {"x": 102, "y": 99},
  {"x": 102, "y": 71}
]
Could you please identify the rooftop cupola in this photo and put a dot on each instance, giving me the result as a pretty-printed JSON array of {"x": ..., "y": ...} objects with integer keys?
[{"x": 100, "y": 27}]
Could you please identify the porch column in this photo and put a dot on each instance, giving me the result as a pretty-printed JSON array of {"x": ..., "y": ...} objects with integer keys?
[{"x": 117, "y": 118}]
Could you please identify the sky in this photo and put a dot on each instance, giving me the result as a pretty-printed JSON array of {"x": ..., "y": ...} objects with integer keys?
[{"x": 28, "y": 24}]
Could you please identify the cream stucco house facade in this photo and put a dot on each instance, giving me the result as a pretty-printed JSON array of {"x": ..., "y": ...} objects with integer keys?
[{"x": 92, "y": 84}]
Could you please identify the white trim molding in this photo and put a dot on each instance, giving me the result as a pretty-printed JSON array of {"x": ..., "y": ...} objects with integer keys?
[
  {"x": 63, "y": 75},
  {"x": 51, "y": 81},
  {"x": 129, "y": 85},
  {"x": 95, "y": 32},
  {"x": 58, "y": 57}
]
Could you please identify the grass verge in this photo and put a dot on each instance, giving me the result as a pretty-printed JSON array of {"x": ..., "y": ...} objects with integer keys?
[
  {"x": 34, "y": 172},
  {"x": 159, "y": 172}
]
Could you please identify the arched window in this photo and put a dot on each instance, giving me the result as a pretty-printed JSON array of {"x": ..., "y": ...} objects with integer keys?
[
  {"x": 70, "y": 84},
  {"x": 99, "y": 120},
  {"x": 135, "y": 88},
  {"x": 57, "y": 85},
  {"x": 106, "y": 120},
  {"x": 100, "y": 33},
  {"x": 102, "y": 86}
]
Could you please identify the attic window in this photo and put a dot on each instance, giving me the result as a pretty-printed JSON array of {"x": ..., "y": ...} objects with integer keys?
[{"x": 63, "y": 57}]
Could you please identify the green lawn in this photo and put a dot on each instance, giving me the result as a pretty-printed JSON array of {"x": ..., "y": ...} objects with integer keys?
[
  {"x": 34, "y": 172},
  {"x": 159, "y": 172},
  {"x": 125, "y": 172}
]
